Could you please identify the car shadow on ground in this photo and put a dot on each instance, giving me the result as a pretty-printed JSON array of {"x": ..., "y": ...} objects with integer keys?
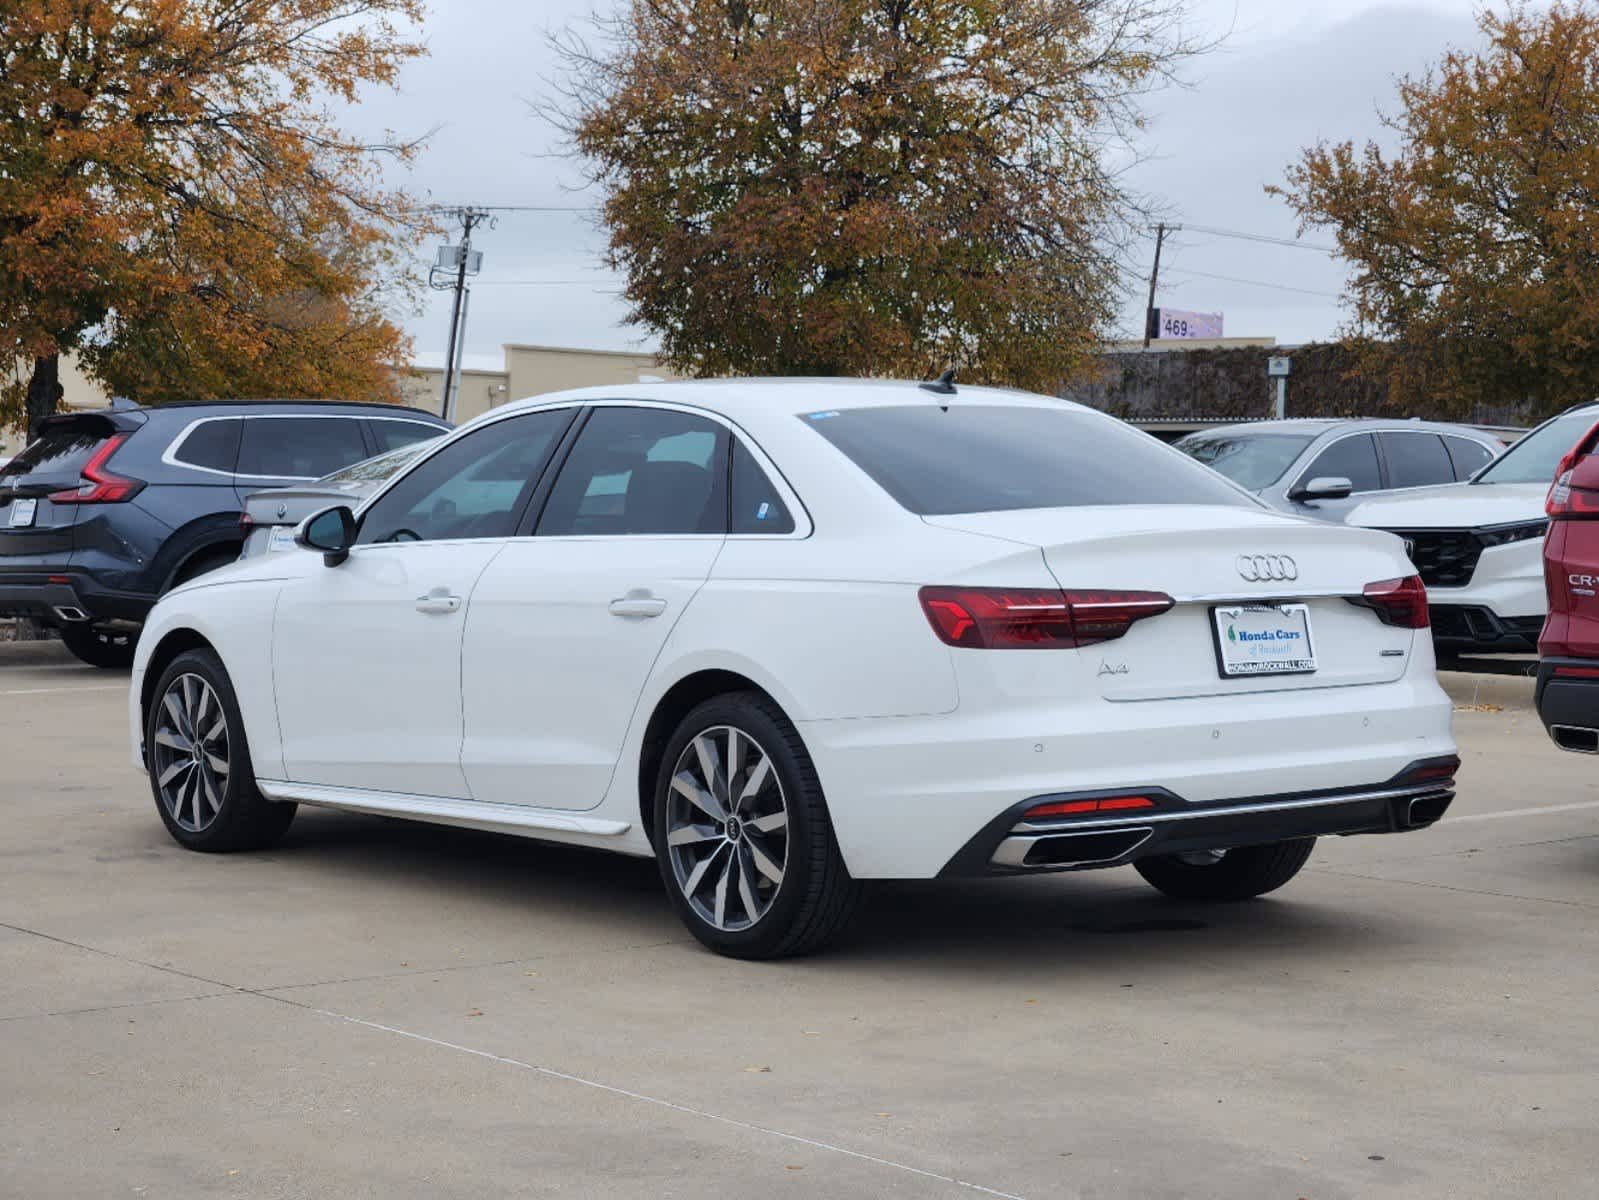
[{"x": 1093, "y": 919}]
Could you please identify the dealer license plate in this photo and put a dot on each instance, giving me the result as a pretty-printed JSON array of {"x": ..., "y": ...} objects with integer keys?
[
  {"x": 22, "y": 512},
  {"x": 1261, "y": 639},
  {"x": 280, "y": 537}
]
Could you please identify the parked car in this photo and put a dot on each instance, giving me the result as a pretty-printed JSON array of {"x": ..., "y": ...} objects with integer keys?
[
  {"x": 269, "y": 517},
  {"x": 1567, "y": 694},
  {"x": 105, "y": 511},
  {"x": 1478, "y": 546},
  {"x": 786, "y": 636},
  {"x": 1324, "y": 468}
]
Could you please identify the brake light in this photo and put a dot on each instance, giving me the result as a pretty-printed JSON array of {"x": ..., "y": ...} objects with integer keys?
[
  {"x": 1399, "y": 602},
  {"x": 1035, "y": 618},
  {"x": 1566, "y": 499},
  {"x": 98, "y": 485},
  {"x": 1072, "y": 808}
]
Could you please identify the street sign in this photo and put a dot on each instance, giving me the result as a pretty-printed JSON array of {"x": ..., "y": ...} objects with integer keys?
[
  {"x": 1175, "y": 323},
  {"x": 1278, "y": 368}
]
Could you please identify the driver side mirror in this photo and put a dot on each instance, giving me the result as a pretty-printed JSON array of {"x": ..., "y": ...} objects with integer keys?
[
  {"x": 1323, "y": 487},
  {"x": 332, "y": 531}
]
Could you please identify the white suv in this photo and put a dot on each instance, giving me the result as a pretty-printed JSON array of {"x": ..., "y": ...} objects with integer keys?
[{"x": 1478, "y": 546}]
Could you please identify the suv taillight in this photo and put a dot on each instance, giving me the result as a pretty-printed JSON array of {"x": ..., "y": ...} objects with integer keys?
[
  {"x": 1570, "y": 496},
  {"x": 1399, "y": 602},
  {"x": 98, "y": 485},
  {"x": 1035, "y": 618}
]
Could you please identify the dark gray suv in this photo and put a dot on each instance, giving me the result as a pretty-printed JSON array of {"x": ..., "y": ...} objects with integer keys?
[{"x": 104, "y": 511}]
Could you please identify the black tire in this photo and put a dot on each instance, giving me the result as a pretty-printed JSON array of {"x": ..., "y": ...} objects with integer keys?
[
  {"x": 244, "y": 819},
  {"x": 816, "y": 898},
  {"x": 1240, "y": 874},
  {"x": 100, "y": 647},
  {"x": 204, "y": 563}
]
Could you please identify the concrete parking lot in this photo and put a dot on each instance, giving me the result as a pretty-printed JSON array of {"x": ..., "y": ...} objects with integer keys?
[{"x": 385, "y": 1010}]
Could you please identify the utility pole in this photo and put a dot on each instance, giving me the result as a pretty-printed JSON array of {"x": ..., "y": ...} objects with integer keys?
[
  {"x": 1154, "y": 276},
  {"x": 465, "y": 261}
]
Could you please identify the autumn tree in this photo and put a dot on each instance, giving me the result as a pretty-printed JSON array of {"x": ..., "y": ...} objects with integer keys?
[
  {"x": 179, "y": 205},
  {"x": 868, "y": 186},
  {"x": 1475, "y": 243}
]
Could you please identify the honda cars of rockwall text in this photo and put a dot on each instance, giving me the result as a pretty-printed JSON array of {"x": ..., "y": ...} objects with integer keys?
[{"x": 787, "y": 637}]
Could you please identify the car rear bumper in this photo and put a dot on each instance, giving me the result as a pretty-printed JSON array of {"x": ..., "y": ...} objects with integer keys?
[
  {"x": 1012, "y": 844},
  {"x": 60, "y": 595},
  {"x": 1476, "y": 627},
  {"x": 1567, "y": 699},
  {"x": 1501, "y": 609},
  {"x": 906, "y": 795}
]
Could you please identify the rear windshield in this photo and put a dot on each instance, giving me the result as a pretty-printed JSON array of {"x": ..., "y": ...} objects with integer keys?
[
  {"x": 379, "y": 467},
  {"x": 1251, "y": 460},
  {"x": 1534, "y": 458},
  {"x": 996, "y": 458},
  {"x": 59, "y": 452}
]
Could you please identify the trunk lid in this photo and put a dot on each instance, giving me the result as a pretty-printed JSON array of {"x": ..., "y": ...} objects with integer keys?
[
  {"x": 1208, "y": 558},
  {"x": 30, "y": 525}
]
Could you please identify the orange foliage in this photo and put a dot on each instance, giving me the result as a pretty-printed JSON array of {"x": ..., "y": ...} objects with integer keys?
[
  {"x": 179, "y": 205},
  {"x": 1476, "y": 246}
]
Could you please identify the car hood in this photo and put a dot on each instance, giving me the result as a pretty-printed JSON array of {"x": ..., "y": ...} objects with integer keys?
[{"x": 1453, "y": 506}]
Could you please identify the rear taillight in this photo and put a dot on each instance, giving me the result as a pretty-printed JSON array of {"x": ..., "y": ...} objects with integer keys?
[
  {"x": 1568, "y": 497},
  {"x": 97, "y": 484},
  {"x": 1074, "y": 808},
  {"x": 1035, "y": 618},
  {"x": 1400, "y": 602}
]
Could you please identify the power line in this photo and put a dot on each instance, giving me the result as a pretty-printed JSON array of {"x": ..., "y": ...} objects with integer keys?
[
  {"x": 1291, "y": 243},
  {"x": 1281, "y": 287},
  {"x": 551, "y": 208}
]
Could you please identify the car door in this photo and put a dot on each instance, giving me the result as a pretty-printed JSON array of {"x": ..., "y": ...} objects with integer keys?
[
  {"x": 1352, "y": 457},
  {"x": 566, "y": 624},
  {"x": 367, "y": 654}
]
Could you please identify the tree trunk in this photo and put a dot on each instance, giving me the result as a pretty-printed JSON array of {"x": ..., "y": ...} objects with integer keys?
[{"x": 44, "y": 392}]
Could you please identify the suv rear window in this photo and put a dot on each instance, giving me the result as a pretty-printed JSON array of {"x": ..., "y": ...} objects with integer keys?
[
  {"x": 59, "y": 452},
  {"x": 995, "y": 458},
  {"x": 299, "y": 447}
]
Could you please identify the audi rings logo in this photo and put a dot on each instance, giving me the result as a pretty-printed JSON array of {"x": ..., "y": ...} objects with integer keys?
[{"x": 1259, "y": 568}]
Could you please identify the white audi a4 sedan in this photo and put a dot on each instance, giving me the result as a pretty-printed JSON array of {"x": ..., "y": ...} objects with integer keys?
[{"x": 790, "y": 636}]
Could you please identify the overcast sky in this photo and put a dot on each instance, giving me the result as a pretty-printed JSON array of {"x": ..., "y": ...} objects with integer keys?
[{"x": 1290, "y": 72}]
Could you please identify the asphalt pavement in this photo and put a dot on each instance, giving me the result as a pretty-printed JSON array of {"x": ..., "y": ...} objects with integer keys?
[{"x": 378, "y": 1009}]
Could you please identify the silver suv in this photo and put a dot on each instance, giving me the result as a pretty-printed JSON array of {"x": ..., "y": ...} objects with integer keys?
[{"x": 1324, "y": 468}]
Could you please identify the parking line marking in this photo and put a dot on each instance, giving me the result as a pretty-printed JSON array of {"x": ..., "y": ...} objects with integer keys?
[
  {"x": 92, "y": 687},
  {"x": 688, "y": 1110},
  {"x": 1581, "y": 806}
]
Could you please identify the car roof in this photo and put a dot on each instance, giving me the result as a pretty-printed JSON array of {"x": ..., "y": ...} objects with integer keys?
[
  {"x": 257, "y": 407},
  {"x": 795, "y": 396},
  {"x": 1315, "y": 426}
]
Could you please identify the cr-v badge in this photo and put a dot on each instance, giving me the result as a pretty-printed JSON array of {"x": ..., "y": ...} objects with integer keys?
[{"x": 1258, "y": 568}]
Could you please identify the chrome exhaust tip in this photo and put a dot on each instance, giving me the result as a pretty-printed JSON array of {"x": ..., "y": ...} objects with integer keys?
[
  {"x": 1424, "y": 810},
  {"x": 1089, "y": 848},
  {"x": 1576, "y": 738},
  {"x": 70, "y": 612}
]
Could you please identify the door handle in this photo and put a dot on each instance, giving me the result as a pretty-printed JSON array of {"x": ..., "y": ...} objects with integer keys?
[
  {"x": 437, "y": 601},
  {"x": 638, "y": 603}
]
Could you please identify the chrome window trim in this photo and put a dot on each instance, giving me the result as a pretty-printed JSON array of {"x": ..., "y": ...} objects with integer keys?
[{"x": 169, "y": 455}]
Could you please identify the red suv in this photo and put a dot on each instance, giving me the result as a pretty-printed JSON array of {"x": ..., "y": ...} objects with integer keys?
[{"x": 1568, "y": 649}]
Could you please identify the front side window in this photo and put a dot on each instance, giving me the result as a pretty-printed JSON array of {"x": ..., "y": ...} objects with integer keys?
[
  {"x": 1251, "y": 460},
  {"x": 641, "y": 471},
  {"x": 299, "y": 447},
  {"x": 1416, "y": 459},
  {"x": 1534, "y": 458},
  {"x": 994, "y": 458},
  {"x": 474, "y": 487},
  {"x": 1352, "y": 458}
]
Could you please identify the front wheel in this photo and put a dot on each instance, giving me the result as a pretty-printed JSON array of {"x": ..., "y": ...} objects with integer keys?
[
  {"x": 1237, "y": 874},
  {"x": 742, "y": 834},
  {"x": 199, "y": 761}
]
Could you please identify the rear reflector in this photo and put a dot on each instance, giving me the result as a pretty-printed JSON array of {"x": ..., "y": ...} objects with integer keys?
[
  {"x": 100, "y": 486},
  {"x": 1436, "y": 770},
  {"x": 1035, "y": 618},
  {"x": 1073, "y": 808},
  {"x": 1399, "y": 602},
  {"x": 1577, "y": 672}
]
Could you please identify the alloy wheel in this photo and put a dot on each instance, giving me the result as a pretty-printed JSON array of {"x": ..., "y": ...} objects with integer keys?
[
  {"x": 190, "y": 753},
  {"x": 727, "y": 828}
]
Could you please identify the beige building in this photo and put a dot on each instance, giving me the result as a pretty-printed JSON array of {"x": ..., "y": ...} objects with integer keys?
[{"x": 529, "y": 371}]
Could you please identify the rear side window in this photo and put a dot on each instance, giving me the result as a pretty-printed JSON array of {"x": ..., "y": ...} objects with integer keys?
[
  {"x": 213, "y": 445},
  {"x": 993, "y": 458},
  {"x": 392, "y": 434},
  {"x": 1352, "y": 458},
  {"x": 1467, "y": 455},
  {"x": 641, "y": 471},
  {"x": 58, "y": 453},
  {"x": 757, "y": 507},
  {"x": 299, "y": 447},
  {"x": 1416, "y": 459}
]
